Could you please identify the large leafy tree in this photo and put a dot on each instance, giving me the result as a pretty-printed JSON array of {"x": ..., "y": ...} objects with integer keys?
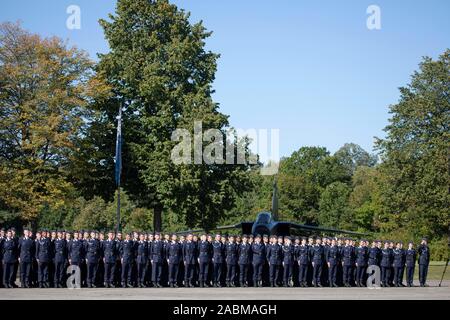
[
  {"x": 44, "y": 90},
  {"x": 415, "y": 154},
  {"x": 158, "y": 67}
]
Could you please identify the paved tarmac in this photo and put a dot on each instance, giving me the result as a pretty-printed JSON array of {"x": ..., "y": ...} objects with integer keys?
[{"x": 416, "y": 293}]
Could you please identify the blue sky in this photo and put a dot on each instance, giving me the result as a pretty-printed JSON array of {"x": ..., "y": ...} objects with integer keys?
[{"x": 309, "y": 68}]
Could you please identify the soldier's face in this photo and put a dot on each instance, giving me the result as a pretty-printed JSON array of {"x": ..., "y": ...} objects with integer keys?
[
  {"x": 410, "y": 246},
  {"x": 386, "y": 245},
  {"x": 127, "y": 237},
  {"x": 141, "y": 237},
  {"x": 53, "y": 234},
  {"x": 209, "y": 238},
  {"x": 9, "y": 234},
  {"x": 203, "y": 238},
  {"x": 157, "y": 237},
  {"x": 119, "y": 236},
  {"x": 333, "y": 242},
  {"x": 304, "y": 242},
  {"x": 38, "y": 235},
  {"x": 318, "y": 241},
  {"x": 231, "y": 239},
  {"x": 217, "y": 238},
  {"x": 174, "y": 238},
  {"x": 25, "y": 233},
  {"x": 195, "y": 238},
  {"x": 189, "y": 237},
  {"x": 110, "y": 236},
  {"x": 244, "y": 240},
  {"x": 59, "y": 234},
  {"x": 151, "y": 237}
]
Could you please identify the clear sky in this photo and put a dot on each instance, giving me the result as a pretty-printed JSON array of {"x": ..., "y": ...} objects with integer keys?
[{"x": 309, "y": 68}]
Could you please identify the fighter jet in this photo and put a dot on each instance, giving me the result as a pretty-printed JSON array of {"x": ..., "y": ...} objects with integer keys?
[{"x": 267, "y": 222}]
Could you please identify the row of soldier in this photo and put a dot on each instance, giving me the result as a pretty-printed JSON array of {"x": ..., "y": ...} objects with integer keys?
[{"x": 146, "y": 259}]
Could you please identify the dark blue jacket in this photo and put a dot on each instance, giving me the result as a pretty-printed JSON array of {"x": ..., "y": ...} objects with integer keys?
[
  {"x": 26, "y": 249},
  {"x": 303, "y": 257},
  {"x": 288, "y": 254},
  {"x": 76, "y": 251},
  {"x": 173, "y": 252},
  {"x": 127, "y": 251},
  {"x": 318, "y": 254},
  {"x": 374, "y": 256},
  {"x": 410, "y": 256},
  {"x": 424, "y": 254},
  {"x": 189, "y": 252},
  {"x": 399, "y": 258},
  {"x": 348, "y": 256},
  {"x": 387, "y": 257},
  {"x": 9, "y": 251},
  {"x": 362, "y": 256},
  {"x": 332, "y": 255},
  {"x": 231, "y": 253},
  {"x": 218, "y": 252},
  {"x": 109, "y": 251},
  {"x": 141, "y": 252},
  {"x": 157, "y": 251},
  {"x": 258, "y": 253},
  {"x": 60, "y": 250},
  {"x": 92, "y": 249},
  {"x": 43, "y": 250},
  {"x": 245, "y": 254},
  {"x": 274, "y": 254},
  {"x": 204, "y": 251}
]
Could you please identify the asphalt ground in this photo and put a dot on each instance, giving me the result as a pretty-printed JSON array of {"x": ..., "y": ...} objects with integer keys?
[{"x": 433, "y": 292}]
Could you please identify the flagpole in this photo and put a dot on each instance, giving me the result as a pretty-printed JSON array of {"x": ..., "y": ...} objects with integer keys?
[{"x": 118, "y": 166}]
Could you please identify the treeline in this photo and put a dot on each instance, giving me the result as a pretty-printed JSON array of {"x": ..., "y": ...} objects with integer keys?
[{"x": 58, "y": 130}]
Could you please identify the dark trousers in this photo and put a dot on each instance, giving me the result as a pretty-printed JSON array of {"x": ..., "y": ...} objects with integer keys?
[
  {"x": 141, "y": 270},
  {"x": 317, "y": 273},
  {"x": 398, "y": 275},
  {"x": 423, "y": 272},
  {"x": 243, "y": 273},
  {"x": 109, "y": 272},
  {"x": 257, "y": 272},
  {"x": 231, "y": 272},
  {"x": 409, "y": 275},
  {"x": 287, "y": 273},
  {"x": 60, "y": 268},
  {"x": 203, "y": 271},
  {"x": 360, "y": 274},
  {"x": 302, "y": 273},
  {"x": 347, "y": 274},
  {"x": 43, "y": 272},
  {"x": 173, "y": 272},
  {"x": 274, "y": 273},
  {"x": 385, "y": 275},
  {"x": 332, "y": 274},
  {"x": 25, "y": 271},
  {"x": 188, "y": 273},
  {"x": 156, "y": 272},
  {"x": 91, "y": 272},
  {"x": 8, "y": 273},
  {"x": 217, "y": 268},
  {"x": 126, "y": 273}
]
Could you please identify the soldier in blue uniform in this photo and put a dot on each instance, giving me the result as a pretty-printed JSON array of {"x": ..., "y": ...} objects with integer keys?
[
  {"x": 410, "y": 260},
  {"x": 362, "y": 257},
  {"x": 26, "y": 253},
  {"x": 258, "y": 260},
  {"x": 218, "y": 259},
  {"x": 156, "y": 259},
  {"x": 303, "y": 263},
  {"x": 141, "y": 260},
  {"x": 332, "y": 257},
  {"x": 43, "y": 258},
  {"x": 387, "y": 258},
  {"x": 287, "y": 251},
  {"x": 173, "y": 257},
  {"x": 109, "y": 252},
  {"x": 189, "y": 257},
  {"x": 60, "y": 259},
  {"x": 2, "y": 240},
  {"x": 317, "y": 262},
  {"x": 347, "y": 263},
  {"x": 127, "y": 257},
  {"x": 244, "y": 261},
  {"x": 274, "y": 258},
  {"x": 9, "y": 259},
  {"x": 398, "y": 264},
  {"x": 231, "y": 256},
  {"x": 265, "y": 268},
  {"x": 204, "y": 259},
  {"x": 92, "y": 249},
  {"x": 424, "y": 261}
]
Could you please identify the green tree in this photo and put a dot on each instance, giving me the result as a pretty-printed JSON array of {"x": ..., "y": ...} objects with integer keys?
[
  {"x": 160, "y": 69},
  {"x": 352, "y": 156},
  {"x": 333, "y": 205},
  {"x": 44, "y": 90},
  {"x": 415, "y": 154}
]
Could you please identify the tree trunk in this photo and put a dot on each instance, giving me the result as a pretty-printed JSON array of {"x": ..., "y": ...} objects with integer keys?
[{"x": 157, "y": 218}]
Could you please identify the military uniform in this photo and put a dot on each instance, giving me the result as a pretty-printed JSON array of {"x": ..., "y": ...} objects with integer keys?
[
  {"x": 127, "y": 258},
  {"x": 204, "y": 259},
  {"x": 244, "y": 253},
  {"x": 231, "y": 253},
  {"x": 288, "y": 263},
  {"x": 109, "y": 253},
  {"x": 9, "y": 260},
  {"x": 258, "y": 260},
  {"x": 424, "y": 261},
  {"x": 218, "y": 260},
  {"x": 398, "y": 264},
  {"x": 303, "y": 264},
  {"x": 332, "y": 258},
  {"x": 410, "y": 256},
  {"x": 156, "y": 258},
  {"x": 60, "y": 261},
  {"x": 348, "y": 257},
  {"x": 386, "y": 264},
  {"x": 362, "y": 257},
  {"x": 189, "y": 256},
  {"x": 274, "y": 258},
  {"x": 174, "y": 255},
  {"x": 317, "y": 260},
  {"x": 141, "y": 262},
  {"x": 92, "y": 249},
  {"x": 26, "y": 253}
]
